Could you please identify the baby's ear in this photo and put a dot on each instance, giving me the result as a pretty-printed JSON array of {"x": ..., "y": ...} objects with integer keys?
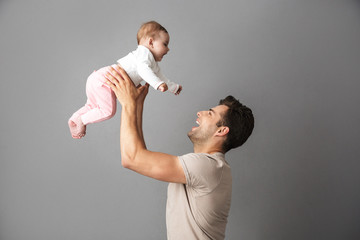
[{"x": 150, "y": 41}]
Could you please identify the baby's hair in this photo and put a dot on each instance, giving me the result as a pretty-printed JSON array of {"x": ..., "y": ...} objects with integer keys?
[{"x": 149, "y": 29}]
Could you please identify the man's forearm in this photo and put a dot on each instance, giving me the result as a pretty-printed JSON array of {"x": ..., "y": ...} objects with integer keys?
[
  {"x": 139, "y": 120},
  {"x": 131, "y": 140}
]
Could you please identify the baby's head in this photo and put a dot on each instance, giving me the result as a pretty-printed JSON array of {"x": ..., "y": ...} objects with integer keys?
[{"x": 155, "y": 37}]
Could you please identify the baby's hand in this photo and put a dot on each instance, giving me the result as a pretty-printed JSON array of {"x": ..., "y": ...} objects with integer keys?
[
  {"x": 179, "y": 90},
  {"x": 163, "y": 87}
]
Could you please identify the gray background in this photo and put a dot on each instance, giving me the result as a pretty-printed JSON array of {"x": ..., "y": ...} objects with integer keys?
[{"x": 295, "y": 63}]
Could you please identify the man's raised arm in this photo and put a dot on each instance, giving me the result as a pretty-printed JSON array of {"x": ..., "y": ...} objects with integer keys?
[{"x": 134, "y": 154}]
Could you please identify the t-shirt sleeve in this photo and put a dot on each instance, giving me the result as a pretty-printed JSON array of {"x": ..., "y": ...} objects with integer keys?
[{"x": 202, "y": 172}]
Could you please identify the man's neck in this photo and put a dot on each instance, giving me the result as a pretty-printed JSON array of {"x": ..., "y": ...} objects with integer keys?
[{"x": 207, "y": 149}]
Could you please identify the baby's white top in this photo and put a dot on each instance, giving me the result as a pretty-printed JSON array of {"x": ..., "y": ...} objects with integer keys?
[{"x": 140, "y": 65}]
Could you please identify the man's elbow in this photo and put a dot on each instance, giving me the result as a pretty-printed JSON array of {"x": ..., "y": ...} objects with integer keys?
[
  {"x": 126, "y": 162},
  {"x": 129, "y": 159}
]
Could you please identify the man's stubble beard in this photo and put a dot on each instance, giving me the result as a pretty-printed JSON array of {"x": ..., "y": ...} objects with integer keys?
[{"x": 197, "y": 138}]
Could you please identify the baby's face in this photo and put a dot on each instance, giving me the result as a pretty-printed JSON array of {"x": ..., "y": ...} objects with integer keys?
[{"x": 160, "y": 45}]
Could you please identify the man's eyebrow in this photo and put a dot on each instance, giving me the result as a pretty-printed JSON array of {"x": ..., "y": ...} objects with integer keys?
[{"x": 211, "y": 110}]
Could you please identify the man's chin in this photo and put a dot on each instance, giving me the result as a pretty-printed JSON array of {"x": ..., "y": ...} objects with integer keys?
[
  {"x": 193, "y": 129},
  {"x": 192, "y": 136}
]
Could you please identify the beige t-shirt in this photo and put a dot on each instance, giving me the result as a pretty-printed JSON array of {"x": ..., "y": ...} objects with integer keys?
[{"x": 199, "y": 208}]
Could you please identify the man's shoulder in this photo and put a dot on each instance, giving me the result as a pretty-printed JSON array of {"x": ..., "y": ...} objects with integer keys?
[
  {"x": 217, "y": 155},
  {"x": 201, "y": 159},
  {"x": 204, "y": 171}
]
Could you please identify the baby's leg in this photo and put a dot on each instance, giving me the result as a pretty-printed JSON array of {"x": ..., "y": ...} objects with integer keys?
[
  {"x": 77, "y": 128},
  {"x": 101, "y": 99},
  {"x": 100, "y": 105}
]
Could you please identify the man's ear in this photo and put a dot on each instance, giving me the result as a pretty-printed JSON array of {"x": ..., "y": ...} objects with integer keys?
[{"x": 222, "y": 131}]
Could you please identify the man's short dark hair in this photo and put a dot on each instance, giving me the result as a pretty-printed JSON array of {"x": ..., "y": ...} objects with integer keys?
[{"x": 240, "y": 121}]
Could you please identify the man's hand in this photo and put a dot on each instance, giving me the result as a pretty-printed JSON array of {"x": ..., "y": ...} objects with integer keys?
[
  {"x": 143, "y": 92},
  {"x": 124, "y": 89}
]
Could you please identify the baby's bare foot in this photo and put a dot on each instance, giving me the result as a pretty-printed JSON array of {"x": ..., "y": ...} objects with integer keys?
[{"x": 77, "y": 128}]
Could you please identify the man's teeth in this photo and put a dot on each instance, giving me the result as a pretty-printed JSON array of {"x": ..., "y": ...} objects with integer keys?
[{"x": 197, "y": 122}]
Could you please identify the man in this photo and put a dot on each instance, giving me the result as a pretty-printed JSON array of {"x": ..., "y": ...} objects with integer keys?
[{"x": 199, "y": 191}]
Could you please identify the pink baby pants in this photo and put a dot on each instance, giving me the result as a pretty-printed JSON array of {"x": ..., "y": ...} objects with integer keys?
[{"x": 101, "y": 100}]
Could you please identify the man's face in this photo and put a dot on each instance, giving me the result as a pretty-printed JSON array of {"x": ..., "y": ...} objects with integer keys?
[{"x": 207, "y": 124}]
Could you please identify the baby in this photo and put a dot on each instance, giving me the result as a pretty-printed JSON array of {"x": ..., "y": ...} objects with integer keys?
[{"x": 141, "y": 64}]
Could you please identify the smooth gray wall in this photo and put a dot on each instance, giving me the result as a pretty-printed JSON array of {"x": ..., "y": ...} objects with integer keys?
[{"x": 295, "y": 63}]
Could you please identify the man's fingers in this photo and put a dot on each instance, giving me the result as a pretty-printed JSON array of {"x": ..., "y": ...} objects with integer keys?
[
  {"x": 115, "y": 73},
  {"x": 124, "y": 74},
  {"x": 144, "y": 87},
  {"x": 110, "y": 78},
  {"x": 112, "y": 81}
]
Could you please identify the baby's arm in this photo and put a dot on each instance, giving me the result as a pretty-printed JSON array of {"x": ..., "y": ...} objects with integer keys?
[
  {"x": 150, "y": 77},
  {"x": 173, "y": 87}
]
